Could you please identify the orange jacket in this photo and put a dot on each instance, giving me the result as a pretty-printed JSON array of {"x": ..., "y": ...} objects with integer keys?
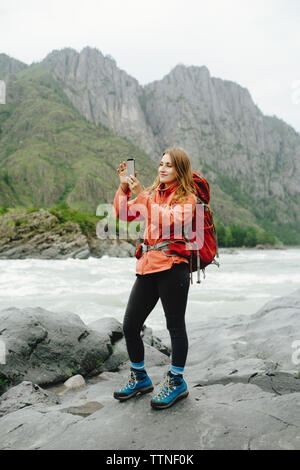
[{"x": 160, "y": 206}]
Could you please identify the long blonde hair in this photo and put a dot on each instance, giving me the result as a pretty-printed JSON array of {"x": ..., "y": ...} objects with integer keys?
[{"x": 184, "y": 176}]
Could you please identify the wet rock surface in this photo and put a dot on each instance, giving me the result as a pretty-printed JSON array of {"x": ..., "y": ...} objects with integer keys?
[{"x": 244, "y": 393}]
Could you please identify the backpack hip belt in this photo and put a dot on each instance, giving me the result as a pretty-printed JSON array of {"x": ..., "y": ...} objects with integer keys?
[
  {"x": 158, "y": 246},
  {"x": 162, "y": 245}
]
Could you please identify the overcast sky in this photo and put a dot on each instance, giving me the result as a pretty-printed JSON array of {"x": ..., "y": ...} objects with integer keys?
[{"x": 254, "y": 43}]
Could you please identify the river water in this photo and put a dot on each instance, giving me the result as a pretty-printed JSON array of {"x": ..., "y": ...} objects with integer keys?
[{"x": 100, "y": 287}]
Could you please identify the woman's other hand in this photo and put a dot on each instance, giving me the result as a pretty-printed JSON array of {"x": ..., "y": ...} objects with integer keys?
[
  {"x": 134, "y": 184},
  {"x": 129, "y": 180}
]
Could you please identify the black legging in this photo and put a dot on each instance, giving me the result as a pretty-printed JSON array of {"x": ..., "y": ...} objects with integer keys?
[{"x": 172, "y": 287}]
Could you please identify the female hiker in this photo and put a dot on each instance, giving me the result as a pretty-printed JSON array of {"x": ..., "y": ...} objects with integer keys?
[{"x": 158, "y": 276}]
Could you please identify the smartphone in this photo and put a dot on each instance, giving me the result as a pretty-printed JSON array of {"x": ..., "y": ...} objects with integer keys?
[{"x": 130, "y": 167}]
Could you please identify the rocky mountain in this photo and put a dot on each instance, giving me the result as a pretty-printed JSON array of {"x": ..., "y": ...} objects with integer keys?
[
  {"x": 252, "y": 161},
  {"x": 218, "y": 124},
  {"x": 9, "y": 67},
  {"x": 253, "y": 158},
  {"x": 103, "y": 93}
]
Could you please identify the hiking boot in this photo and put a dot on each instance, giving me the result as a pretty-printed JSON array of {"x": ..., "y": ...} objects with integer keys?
[
  {"x": 173, "y": 389},
  {"x": 139, "y": 382}
]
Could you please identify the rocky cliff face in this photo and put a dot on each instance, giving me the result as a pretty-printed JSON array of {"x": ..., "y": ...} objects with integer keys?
[
  {"x": 219, "y": 125},
  {"x": 102, "y": 92},
  {"x": 252, "y": 161},
  {"x": 216, "y": 121},
  {"x": 9, "y": 67}
]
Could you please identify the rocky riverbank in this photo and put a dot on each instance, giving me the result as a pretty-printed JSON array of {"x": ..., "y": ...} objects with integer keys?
[
  {"x": 59, "y": 377},
  {"x": 40, "y": 234}
]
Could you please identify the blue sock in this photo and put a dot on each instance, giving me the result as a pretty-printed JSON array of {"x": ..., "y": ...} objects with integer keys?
[
  {"x": 176, "y": 370},
  {"x": 138, "y": 365}
]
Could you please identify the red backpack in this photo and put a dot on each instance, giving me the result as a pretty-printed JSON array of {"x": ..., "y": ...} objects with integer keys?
[
  {"x": 204, "y": 243},
  {"x": 209, "y": 246}
]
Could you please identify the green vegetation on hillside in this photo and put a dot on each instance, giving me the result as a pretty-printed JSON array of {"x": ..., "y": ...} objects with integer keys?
[
  {"x": 237, "y": 236},
  {"x": 49, "y": 153}
]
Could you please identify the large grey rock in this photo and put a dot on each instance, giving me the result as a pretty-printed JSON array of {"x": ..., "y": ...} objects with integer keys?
[
  {"x": 25, "y": 394},
  {"x": 114, "y": 329},
  {"x": 119, "y": 357},
  {"x": 235, "y": 416},
  {"x": 152, "y": 340},
  {"x": 115, "y": 248},
  {"x": 32, "y": 428},
  {"x": 241, "y": 347},
  {"x": 108, "y": 326},
  {"x": 46, "y": 347},
  {"x": 236, "y": 401}
]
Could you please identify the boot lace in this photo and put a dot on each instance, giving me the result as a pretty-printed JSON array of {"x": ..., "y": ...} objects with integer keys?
[
  {"x": 166, "y": 388},
  {"x": 132, "y": 380}
]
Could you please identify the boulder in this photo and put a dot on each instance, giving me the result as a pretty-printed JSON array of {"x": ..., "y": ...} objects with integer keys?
[
  {"x": 75, "y": 382},
  {"x": 45, "y": 347},
  {"x": 116, "y": 248},
  {"x": 152, "y": 340},
  {"x": 25, "y": 394},
  {"x": 108, "y": 326},
  {"x": 119, "y": 357}
]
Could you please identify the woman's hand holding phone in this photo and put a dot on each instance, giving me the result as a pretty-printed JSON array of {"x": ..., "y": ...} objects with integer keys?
[{"x": 122, "y": 172}]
